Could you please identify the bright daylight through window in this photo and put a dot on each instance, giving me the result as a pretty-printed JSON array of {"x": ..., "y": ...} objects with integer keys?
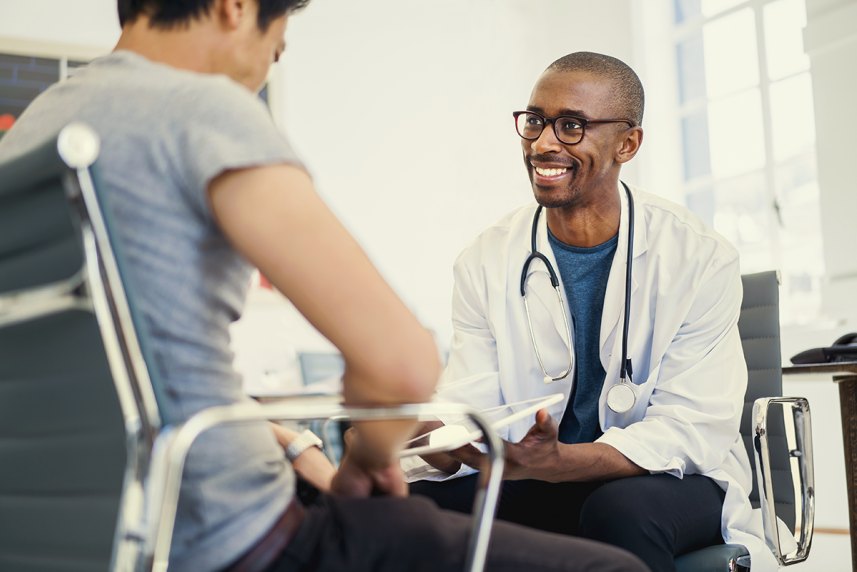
[{"x": 748, "y": 138}]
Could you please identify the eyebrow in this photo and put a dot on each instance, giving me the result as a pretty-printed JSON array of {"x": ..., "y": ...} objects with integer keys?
[{"x": 562, "y": 112}]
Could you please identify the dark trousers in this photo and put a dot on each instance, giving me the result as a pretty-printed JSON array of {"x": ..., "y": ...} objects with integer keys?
[
  {"x": 386, "y": 534},
  {"x": 656, "y": 517}
]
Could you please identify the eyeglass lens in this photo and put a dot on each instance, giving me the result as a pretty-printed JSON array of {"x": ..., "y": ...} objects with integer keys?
[{"x": 569, "y": 130}]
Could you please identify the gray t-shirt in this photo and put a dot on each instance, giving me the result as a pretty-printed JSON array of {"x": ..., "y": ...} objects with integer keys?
[{"x": 165, "y": 134}]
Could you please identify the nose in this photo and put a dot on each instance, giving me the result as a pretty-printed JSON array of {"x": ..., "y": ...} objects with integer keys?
[{"x": 547, "y": 141}]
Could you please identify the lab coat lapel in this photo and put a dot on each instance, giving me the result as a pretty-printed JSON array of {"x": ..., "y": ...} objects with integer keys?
[{"x": 614, "y": 297}]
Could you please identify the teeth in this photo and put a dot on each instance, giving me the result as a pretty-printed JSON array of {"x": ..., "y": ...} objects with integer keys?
[{"x": 550, "y": 172}]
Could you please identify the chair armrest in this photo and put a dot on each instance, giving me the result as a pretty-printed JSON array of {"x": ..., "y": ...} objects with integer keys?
[
  {"x": 172, "y": 445},
  {"x": 803, "y": 453}
]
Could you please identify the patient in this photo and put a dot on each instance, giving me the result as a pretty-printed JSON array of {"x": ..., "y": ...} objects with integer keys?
[{"x": 203, "y": 188}]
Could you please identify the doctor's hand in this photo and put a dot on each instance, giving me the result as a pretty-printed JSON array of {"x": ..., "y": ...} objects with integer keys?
[
  {"x": 540, "y": 455},
  {"x": 536, "y": 456},
  {"x": 441, "y": 461},
  {"x": 360, "y": 476}
]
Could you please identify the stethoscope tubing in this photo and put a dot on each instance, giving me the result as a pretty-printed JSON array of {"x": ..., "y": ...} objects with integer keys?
[{"x": 626, "y": 370}]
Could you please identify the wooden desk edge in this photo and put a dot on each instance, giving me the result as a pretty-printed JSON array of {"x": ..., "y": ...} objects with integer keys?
[{"x": 848, "y": 368}]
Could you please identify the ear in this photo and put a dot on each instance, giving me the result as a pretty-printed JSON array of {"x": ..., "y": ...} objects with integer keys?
[
  {"x": 231, "y": 13},
  {"x": 629, "y": 144}
]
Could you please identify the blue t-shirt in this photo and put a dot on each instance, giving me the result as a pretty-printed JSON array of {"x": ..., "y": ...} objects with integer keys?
[{"x": 584, "y": 273}]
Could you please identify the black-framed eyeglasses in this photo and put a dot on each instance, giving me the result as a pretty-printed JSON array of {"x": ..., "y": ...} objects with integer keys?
[{"x": 568, "y": 129}]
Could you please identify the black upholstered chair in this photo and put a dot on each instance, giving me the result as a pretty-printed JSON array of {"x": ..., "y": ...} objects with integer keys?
[
  {"x": 776, "y": 461},
  {"x": 90, "y": 459},
  {"x": 73, "y": 428}
]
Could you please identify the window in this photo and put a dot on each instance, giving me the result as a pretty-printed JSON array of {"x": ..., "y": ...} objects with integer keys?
[{"x": 748, "y": 138}]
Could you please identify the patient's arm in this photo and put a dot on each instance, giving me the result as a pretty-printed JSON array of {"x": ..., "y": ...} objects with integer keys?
[
  {"x": 312, "y": 464},
  {"x": 274, "y": 217}
]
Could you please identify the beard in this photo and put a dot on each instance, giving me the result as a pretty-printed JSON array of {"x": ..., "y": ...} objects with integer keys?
[{"x": 558, "y": 197}]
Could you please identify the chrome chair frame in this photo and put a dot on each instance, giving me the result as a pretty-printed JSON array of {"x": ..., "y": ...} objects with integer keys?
[
  {"x": 172, "y": 446},
  {"x": 156, "y": 452},
  {"x": 803, "y": 436}
]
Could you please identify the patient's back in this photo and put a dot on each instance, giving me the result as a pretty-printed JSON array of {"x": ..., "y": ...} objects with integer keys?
[{"x": 165, "y": 135}]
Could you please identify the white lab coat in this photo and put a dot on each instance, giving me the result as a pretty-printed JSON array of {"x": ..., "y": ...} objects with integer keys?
[{"x": 688, "y": 363}]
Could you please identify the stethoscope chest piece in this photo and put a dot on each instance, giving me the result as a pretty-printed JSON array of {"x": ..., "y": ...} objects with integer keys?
[{"x": 621, "y": 398}]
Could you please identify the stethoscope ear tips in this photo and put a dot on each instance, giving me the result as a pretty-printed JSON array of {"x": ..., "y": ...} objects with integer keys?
[{"x": 548, "y": 380}]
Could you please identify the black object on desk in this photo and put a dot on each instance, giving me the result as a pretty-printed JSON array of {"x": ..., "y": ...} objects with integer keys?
[{"x": 843, "y": 349}]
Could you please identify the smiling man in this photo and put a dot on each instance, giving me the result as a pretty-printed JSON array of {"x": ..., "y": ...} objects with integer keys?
[{"x": 644, "y": 450}]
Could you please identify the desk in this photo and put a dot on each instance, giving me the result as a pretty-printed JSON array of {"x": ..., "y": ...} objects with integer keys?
[{"x": 844, "y": 374}]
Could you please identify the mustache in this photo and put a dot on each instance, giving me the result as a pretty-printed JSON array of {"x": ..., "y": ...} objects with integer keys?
[{"x": 571, "y": 164}]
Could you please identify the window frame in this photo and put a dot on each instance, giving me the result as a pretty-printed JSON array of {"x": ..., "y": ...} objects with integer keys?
[{"x": 657, "y": 39}]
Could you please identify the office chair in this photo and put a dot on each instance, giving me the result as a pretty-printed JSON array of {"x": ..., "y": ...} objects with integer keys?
[
  {"x": 765, "y": 438},
  {"x": 90, "y": 455}
]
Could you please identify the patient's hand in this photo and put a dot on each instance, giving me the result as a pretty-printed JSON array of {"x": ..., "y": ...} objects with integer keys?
[
  {"x": 312, "y": 464},
  {"x": 360, "y": 477}
]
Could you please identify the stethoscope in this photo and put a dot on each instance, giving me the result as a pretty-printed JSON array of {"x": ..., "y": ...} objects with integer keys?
[{"x": 621, "y": 397}]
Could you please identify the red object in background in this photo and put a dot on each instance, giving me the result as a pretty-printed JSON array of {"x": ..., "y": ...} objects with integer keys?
[
  {"x": 264, "y": 282},
  {"x": 6, "y": 122}
]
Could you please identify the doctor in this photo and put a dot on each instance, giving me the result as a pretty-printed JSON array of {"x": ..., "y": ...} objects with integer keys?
[{"x": 650, "y": 458}]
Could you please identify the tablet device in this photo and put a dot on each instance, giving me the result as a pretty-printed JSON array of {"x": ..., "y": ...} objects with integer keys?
[{"x": 462, "y": 432}]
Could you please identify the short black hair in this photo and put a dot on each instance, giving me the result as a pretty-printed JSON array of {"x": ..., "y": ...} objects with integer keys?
[
  {"x": 168, "y": 14},
  {"x": 629, "y": 90}
]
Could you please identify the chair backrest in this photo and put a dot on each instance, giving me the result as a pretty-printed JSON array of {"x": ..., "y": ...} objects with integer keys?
[
  {"x": 71, "y": 421},
  {"x": 759, "y": 326}
]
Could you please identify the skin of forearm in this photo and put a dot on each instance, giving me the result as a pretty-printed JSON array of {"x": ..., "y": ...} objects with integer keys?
[
  {"x": 312, "y": 465},
  {"x": 554, "y": 462},
  {"x": 390, "y": 358},
  {"x": 379, "y": 440},
  {"x": 577, "y": 462},
  {"x": 589, "y": 462}
]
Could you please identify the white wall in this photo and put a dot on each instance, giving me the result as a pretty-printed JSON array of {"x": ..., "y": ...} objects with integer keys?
[
  {"x": 660, "y": 160},
  {"x": 374, "y": 90},
  {"x": 371, "y": 89},
  {"x": 91, "y": 23}
]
